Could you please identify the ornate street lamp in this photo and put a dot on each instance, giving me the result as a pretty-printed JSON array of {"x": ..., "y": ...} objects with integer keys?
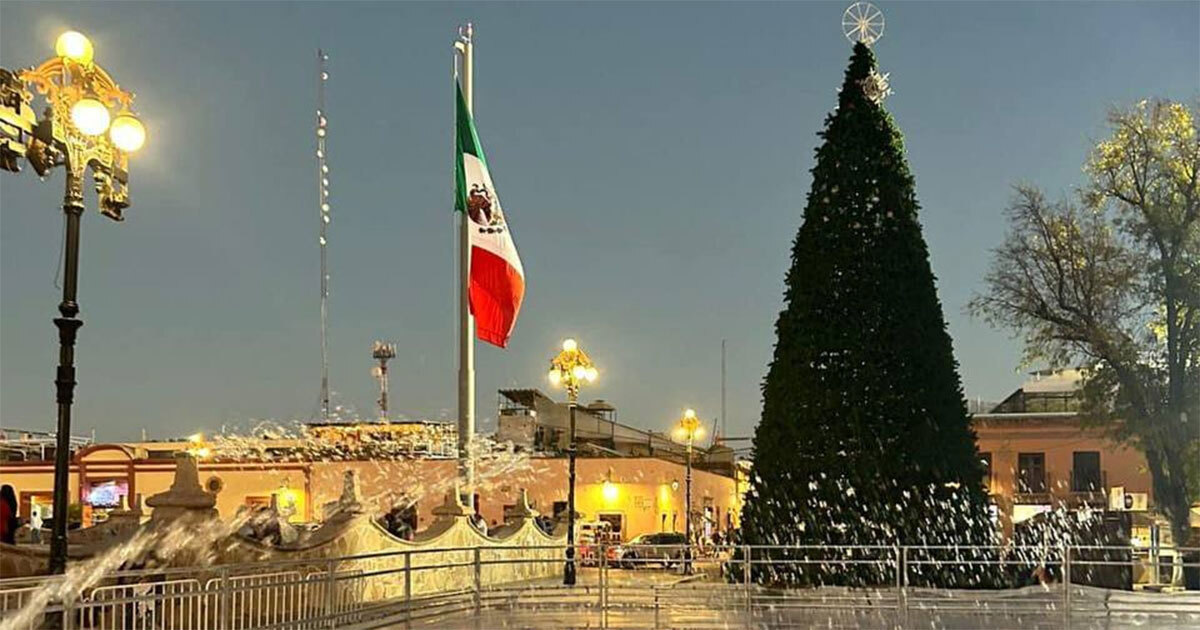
[
  {"x": 688, "y": 429},
  {"x": 79, "y": 130},
  {"x": 570, "y": 369}
]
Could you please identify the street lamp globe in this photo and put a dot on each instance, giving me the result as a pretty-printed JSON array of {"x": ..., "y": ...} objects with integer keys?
[
  {"x": 75, "y": 46},
  {"x": 555, "y": 377},
  {"x": 128, "y": 133},
  {"x": 580, "y": 372},
  {"x": 569, "y": 345},
  {"x": 90, "y": 116},
  {"x": 592, "y": 374}
]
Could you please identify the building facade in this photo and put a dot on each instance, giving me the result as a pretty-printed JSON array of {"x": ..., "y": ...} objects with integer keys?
[
  {"x": 1042, "y": 456},
  {"x": 636, "y": 494}
]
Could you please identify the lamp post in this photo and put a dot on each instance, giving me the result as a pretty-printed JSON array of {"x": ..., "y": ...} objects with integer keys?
[
  {"x": 688, "y": 430},
  {"x": 570, "y": 369},
  {"x": 78, "y": 132}
]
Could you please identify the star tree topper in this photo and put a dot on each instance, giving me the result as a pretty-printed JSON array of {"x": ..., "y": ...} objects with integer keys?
[{"x": 863, "y": 22}]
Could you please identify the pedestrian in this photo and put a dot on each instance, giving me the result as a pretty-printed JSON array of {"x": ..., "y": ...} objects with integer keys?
[
  {"x": 8, "y": 515},
  {"x": 35, "y": 525}
]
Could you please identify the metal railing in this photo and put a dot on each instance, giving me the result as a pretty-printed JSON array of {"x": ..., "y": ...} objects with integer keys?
[{"x": 657, "y": 586}]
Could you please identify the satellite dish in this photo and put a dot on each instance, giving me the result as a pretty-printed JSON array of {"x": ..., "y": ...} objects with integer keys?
[{"x": 863, "y": 22}]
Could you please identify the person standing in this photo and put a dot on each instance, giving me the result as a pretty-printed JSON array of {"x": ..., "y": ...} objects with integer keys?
[
  {"x": 35, "y": 525},
  {"x": 8, "y": 515}
]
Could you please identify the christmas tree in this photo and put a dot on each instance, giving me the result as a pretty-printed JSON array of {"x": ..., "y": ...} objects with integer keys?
[{"x": 864, "y": 437}]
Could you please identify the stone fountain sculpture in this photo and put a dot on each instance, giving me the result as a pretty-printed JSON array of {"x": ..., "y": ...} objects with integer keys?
[{"x": 185, "y": 498}]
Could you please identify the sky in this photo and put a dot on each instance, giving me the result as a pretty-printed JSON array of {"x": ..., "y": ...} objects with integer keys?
[{"x": 652, "y": 159}]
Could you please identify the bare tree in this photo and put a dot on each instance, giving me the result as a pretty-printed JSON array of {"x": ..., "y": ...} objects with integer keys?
[{"x": 1113, "y": 281}]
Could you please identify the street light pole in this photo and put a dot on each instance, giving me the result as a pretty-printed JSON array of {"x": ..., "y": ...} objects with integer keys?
[
  {"x": 570, "y": 369},
  {"x": 68, "y": 327},
  {"x": 689, "y": 429},
  {"x": 687, "y": 520},
  {"x": 78, "y": 133},
  {"x": 569, "y": 568}
]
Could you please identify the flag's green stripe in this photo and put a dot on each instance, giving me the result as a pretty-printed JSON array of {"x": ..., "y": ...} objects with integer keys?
[{"x": 466, "y": 141}]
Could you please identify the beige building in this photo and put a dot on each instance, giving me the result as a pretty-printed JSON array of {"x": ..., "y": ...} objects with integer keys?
[
  {"x": 637, "y": 494},
  {"x": 1042, "y": 456}
]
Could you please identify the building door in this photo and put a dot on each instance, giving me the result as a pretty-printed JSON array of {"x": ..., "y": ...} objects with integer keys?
[
  {"x": 617, "y": 520},
  {"x": 1031, "y": 473},
  {"x": 1085, "y": 471}
]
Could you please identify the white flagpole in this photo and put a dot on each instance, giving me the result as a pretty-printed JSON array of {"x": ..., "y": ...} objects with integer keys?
[{"x": 466, "y": 331}]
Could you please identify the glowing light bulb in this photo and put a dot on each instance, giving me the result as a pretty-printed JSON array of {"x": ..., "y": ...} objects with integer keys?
[
  {"x": 90, "y": 116},
  {"x": 74, "y": 46},
  {"x": 128, "y": 133},
  {"x": 555, "y": 377},
  {"x": 579, "y": 372},
  {"x": 689, "y": 413},
  {"x": 610, "y": 491},
  {"x": 592, "y": 373},
  {"x": 570, "y": 345}
]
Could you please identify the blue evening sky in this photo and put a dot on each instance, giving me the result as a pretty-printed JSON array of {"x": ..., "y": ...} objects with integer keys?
[{"x": 652, "y": 158}]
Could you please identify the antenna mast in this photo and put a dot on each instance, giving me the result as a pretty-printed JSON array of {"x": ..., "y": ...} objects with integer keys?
[
  {"x": 323, "y": 207},
  {"x": 383, "y": 352},
  {"x": 723, "y": 434}
]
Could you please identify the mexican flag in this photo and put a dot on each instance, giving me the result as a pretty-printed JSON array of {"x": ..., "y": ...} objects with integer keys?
[{"x": 497, "y": 280}]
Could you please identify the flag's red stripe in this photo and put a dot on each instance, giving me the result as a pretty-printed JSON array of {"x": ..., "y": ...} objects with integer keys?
[{"x": 496, "y": 293}]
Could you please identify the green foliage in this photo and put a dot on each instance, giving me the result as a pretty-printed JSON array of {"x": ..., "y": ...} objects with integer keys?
[
  {"x": 1114, "y": 282},
  {"x": 864, "y": 437}
]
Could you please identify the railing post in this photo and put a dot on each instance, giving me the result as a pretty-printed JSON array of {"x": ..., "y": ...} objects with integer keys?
[
  {"x": 902, "y": 584},
  {"x": 478, "y": 583},
  {"x": 603, "y": 585},
  {"x": 407, "y": 588},
  {"x": 656, "y": 591},
  {"x": 330, "y": 587},
  {"x": 1066, "y": 577},
  {"x": 68, "y": 604},
  {"x": 747, "y": 579},
  {"x": 226, "y": 600}
]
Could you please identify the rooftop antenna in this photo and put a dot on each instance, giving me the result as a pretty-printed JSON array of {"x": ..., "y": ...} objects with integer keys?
[
  {"x": 722, "y": 437},
  {"x": 322, "y": 240},
  {"x": 382, "y": 352}
]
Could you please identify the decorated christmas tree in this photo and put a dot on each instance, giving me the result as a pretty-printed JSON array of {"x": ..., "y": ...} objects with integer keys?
[{"x": 864, "y": 437}]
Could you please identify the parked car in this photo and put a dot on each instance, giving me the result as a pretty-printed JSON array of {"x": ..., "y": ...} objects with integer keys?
[{"x": 665, "y": 548}]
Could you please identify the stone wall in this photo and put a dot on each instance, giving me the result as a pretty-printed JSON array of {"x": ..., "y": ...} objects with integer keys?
[{"x": 350, "y": 542}]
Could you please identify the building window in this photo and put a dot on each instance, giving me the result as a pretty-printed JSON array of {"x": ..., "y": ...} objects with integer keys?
[
  {"x": 1085, "y": 472},
  {"x": 616, "y": 520},
  {"x": 986, "y": 460},
  {"x": 1031, "y": 473}
]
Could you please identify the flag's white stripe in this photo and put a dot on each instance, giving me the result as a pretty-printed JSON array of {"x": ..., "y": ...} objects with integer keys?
[{"x": 500, "y": 244}]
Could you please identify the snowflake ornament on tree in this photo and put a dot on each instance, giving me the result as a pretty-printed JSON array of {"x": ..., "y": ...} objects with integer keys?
[{"x": 875, "y": 86}]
